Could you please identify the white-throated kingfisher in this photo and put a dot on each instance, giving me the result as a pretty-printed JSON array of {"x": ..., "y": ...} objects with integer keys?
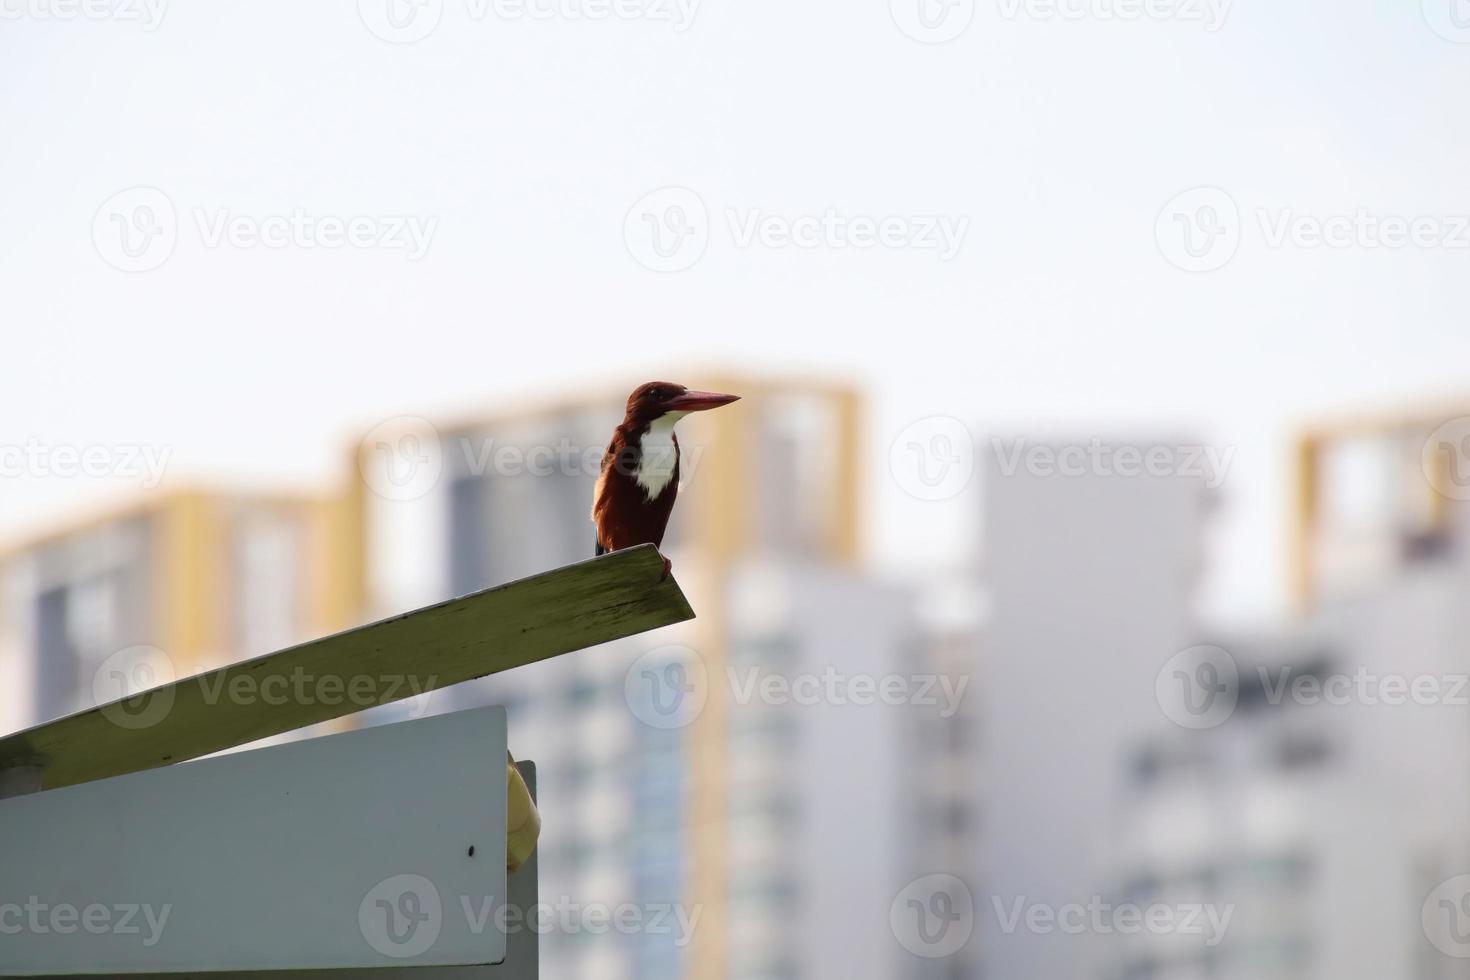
[{"x": 640, "y": 470}]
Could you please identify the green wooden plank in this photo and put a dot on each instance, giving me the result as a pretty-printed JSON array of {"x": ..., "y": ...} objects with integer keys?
[{"x": 559, "y": 611}]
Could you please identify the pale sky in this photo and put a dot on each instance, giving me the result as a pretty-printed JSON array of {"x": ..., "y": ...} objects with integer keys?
[{"x": 517, "y": 146}]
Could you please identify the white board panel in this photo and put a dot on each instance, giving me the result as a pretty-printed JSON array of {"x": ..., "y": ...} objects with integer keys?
[{"x": 346, "y": 851}]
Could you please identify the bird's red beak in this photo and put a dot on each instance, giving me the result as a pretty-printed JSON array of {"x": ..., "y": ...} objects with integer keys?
[{"x": 699, "y": 401}]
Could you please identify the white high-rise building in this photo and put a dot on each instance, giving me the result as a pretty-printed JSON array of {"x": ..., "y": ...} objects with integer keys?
[
  {"x": 1090, "y": 579},
  {"x": 1307, "y": 784}
]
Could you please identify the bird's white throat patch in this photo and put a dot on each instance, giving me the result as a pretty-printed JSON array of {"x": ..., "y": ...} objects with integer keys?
[{"x": 659, "y": 455}]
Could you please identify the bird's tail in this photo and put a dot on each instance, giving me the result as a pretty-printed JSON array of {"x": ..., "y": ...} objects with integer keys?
[{"x": 600, "y": 549}]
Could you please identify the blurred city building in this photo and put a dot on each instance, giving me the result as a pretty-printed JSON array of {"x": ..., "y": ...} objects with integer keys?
[
  {"x": 668, "y": 778},
  {"x": 204, "y": 578},
  {"x": 1285, "y": 775},
  {"x": 1090, "y": 579},
  {"x": 1376, "y": 496},
  {"x": 753, "y": 831},
  {"x": 758, "y": 831}
]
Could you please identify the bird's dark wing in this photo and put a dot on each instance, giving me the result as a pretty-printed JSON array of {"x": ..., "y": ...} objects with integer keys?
[{"x": 607, "y": 461}]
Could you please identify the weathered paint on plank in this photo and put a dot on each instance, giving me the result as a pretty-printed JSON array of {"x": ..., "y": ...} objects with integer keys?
[{"x": 556, "y": 612}]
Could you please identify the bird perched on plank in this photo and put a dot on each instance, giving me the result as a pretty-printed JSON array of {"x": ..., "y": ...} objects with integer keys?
[{"x": 640, "y": 470}]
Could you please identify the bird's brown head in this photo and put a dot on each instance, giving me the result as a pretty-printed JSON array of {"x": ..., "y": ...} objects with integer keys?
[{"x": 659, "y": 398}]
